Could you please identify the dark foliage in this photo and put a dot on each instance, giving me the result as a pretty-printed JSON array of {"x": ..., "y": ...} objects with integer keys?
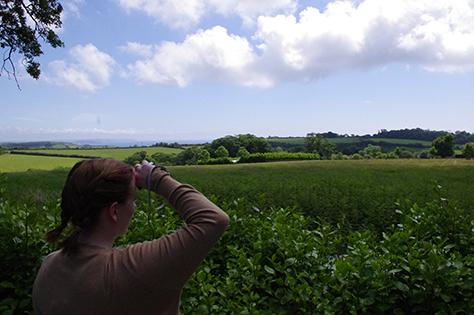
[{"x": 17, "y": 36}]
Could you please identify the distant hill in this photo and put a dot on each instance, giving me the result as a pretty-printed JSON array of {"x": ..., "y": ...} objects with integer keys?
[
  {"x": 41, "y": 145},
  {"x": 415, "y": 140}
]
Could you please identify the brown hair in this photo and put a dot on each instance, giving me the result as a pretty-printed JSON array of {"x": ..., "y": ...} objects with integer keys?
[{"x": 91, "y": 186}]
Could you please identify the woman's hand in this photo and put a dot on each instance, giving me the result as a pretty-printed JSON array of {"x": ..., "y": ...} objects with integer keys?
[{"x": 141, "y": 174}]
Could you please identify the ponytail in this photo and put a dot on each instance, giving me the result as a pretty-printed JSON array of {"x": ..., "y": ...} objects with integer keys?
[{"x": 53, "y": 236}]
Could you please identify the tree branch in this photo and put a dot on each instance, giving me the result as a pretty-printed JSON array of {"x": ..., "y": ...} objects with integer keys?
[{"x": 12, "y": 64}]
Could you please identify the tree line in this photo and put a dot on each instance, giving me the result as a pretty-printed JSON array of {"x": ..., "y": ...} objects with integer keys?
[
  {"x": 460, "y": 137},
  {"x": 251, "y": 149}
]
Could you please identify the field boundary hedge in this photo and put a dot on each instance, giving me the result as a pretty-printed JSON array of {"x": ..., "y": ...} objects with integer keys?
[{"x": 55, "y": 155}]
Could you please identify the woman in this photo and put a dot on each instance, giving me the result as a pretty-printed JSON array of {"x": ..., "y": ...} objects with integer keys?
[{"x": 89, "y": 276}]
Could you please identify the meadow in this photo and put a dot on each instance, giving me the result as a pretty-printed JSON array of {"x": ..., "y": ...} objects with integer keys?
[
  {"x": 21, "y": 163},
  {"x": 361, "y": 193}
]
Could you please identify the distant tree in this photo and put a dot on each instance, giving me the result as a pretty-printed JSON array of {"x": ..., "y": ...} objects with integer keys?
[
  {"x": 424, "y": 154},
  {"x": 204, "y": 156},
  {"x": 468, "y": 150},
  {"x": 443, "y": 146},
  {"x": 161, "y": 158},
  {"x": 397, "y": 151},
  {"x": 371, "y": 151},
  {"x": 254, "y": 144},
  {"x": 22, "y": 24},
  {"x": 251, "y": 143},
  {"x": 339, "y": 156},
  {"x": 189, "y": 156},
  {"x": 231, "y": 143},
  {"x": 136, "y": 158},
  {"x": 463, "y": 137},
  {"x": 243, "y": 154},
  {"x": 392, "y": 155},
  {"x": 222, "y": 152},
  {"x": 405, "y": 154},
  {"x": 316, "y": 143}
]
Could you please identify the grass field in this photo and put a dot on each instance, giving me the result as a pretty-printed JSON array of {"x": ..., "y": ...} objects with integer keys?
[
  {"x": 115, "y": 153},
  {"x": 22, "y": 163},
  {"x": 360, "y": 193}
]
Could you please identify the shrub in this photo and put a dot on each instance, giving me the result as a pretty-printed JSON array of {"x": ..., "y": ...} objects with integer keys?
[
  {"x": 278, "y": 261},
  {"x": 282, "y": 156},
  {"x": 23, "y": 248}
]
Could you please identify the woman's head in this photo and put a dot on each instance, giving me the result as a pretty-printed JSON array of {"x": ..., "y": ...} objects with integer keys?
[{"x": 91, "y": 186}]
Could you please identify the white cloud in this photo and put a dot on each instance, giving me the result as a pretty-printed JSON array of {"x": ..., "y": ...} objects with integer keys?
[
  {"x": 435, "y": 34},
  {"x": 71, "y": 7},
  {"x": 249, "y": 10},
  {"x": 89, "y": 70},
  {"x": 173, "y": 13},
  {"x": 138, "y": 49},
  {"x": 186, "y": 13},
  {"x": 211, "y": 55}
]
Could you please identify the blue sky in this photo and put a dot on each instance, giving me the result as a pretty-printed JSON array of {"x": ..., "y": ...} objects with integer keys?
[{"x": 165, "y": 70}]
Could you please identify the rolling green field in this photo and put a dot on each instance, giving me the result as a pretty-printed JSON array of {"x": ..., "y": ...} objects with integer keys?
[
  {"x": 22, "y": 163},
  {"x": 115, "y": 153}
]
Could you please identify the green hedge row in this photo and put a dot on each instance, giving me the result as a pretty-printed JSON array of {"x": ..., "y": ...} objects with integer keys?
[
  {"x": 283, "y": 156},
  {"x": 55, "y": 155},
  {"x": 271, "y": 262}
]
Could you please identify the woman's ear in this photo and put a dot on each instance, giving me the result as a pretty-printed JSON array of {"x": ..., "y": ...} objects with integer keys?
[{"x": 112, "y": 212}]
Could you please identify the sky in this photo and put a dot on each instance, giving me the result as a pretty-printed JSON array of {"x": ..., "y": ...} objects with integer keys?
[{"x": 168, "y": 70}]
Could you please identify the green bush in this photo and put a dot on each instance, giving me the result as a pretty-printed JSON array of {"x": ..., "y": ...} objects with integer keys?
[
  {"x": 281, "y": 156},
  {"x": 278, "y": 261},
  {"x": 23, "y": 248},
  {"x": 269, "y": 262},
  {"x": 221, "y": 160}
]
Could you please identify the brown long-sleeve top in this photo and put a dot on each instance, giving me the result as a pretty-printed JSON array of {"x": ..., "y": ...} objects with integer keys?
[{"x": 144, "y": 278}]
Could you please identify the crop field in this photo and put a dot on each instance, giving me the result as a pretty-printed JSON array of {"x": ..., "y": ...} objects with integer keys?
[
  {"x": 21, "y": 163},
  {"x": 361, "y": 193}
]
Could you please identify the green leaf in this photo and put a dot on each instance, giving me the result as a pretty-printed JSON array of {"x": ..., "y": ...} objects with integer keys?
[
  {"x": 7, "y": 285},
  {"x": 24, "y": 303},
  {"x": 269, "y": 270},
  {"x": 401, "y": 286},
  {"x": 445, "y": 297},
  {"x": 471, "y": 304}
]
